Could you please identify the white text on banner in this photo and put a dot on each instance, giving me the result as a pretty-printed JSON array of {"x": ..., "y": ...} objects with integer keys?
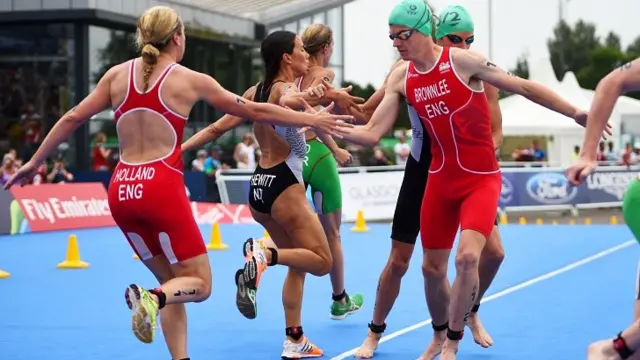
[{"x": 376, "y": 193}]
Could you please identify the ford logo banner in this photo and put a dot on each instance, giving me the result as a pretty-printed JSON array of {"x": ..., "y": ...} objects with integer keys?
[{"x": 550, "y": 188}]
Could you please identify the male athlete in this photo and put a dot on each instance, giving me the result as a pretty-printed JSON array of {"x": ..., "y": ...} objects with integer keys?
[
  {"x": 444, "y": 85},
  {"x": 455, "y": 29},
  {"x": 612, "y": 86}
]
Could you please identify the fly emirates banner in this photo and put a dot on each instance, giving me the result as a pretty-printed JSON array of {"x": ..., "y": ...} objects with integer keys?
[{"x": 49, "y": 207}]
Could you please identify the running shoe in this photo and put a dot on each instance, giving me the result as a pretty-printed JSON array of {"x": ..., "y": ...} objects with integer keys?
[
  {"x": 144, "y": 312},
  {"x": 248, "y": 278},
  {"x": 340, "y": 311},
  {"x": 302, "y": 350}
]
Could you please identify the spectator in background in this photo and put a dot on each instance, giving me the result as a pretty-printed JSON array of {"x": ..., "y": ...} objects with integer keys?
[
  {"x": 628, "y": 157},
  {"x": 520, "y": 154},
  {"x": 212, "y": 165},
  {"x": 59, "y": 173},
  {"x": 31, "y": 125},
  {"x": 41, "y": 175},
  {"x": 379, "y": 158},
  {"x": 576, "y": 153},
  {"x": 537, "y": 152},
  {"x": 402, "y": 150},
  {"x": 100, "y": 154},
  {"x": 8, "y": 168},
  {"x": 612, "y": 155},
  {"x": 13, "y": 153},
  {"x": 245, "y": 153},
  {"x": 198, "y": 163},
  {"x": 600, "y": 155}
]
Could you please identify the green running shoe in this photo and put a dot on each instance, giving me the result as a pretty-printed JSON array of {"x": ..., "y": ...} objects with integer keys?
[
  {"x": 144, "y": 313},
  {"x": 340, "y": 311}
]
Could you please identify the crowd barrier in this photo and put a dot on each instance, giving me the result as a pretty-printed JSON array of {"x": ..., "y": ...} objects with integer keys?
[
  {"x": 375, "y": 189},
  {"x": 50, "y": 207}
]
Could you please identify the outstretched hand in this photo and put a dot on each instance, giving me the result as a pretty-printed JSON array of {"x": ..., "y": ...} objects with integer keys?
[
  {"x": 580, "y": 117},
  {"x": 328, "y": 123},
  {"x": 26, "y": 172},
  {"x": 578, "y": 171},
  {"x": 342, "y": 96}
]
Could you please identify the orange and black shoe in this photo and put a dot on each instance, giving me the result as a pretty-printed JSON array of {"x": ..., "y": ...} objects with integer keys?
[
  {"x": 300, "y": 350},
  {"x": 248, "y": 278}
]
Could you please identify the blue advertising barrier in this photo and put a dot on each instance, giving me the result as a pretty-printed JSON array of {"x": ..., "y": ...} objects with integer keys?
[
  {"x": 525, "y": 188},
  {"x": 543, "y": 187}
]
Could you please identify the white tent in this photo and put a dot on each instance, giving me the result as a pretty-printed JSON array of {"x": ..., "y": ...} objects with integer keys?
[{"x": 521, "y": 117}]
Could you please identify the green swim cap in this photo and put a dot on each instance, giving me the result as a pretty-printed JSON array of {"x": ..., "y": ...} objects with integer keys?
[
  {"x": 414, "y": 14},
  {"x": 453, "y": 19}
]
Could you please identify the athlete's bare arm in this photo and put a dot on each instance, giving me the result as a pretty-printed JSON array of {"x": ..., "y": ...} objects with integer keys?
[
  {"x": 609, "y": 89},
  {"x": 292, "y": 97},
  {"x": 215, "y": 95},
  {"x": 343, "y": 105},
  {"x": 328, "y": 76},
  {"x": 384, "y": 116},
  {"x": 218, "y": 128},
  {"x": 472, "y": 64},
  {"x": 374, "y": 101},
  {"x": 495, "y": 113},
  {"x": 98, "y": 100}
]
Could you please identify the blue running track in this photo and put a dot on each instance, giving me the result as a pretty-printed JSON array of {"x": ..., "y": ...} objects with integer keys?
[{"x": 582, "y": 290}]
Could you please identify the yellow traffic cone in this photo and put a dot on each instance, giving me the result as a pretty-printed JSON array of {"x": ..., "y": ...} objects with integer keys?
[
  {"x": 503, "y": 219},
  {"x": 72, "y": 259},
  {"x": 523, "y": 221},
  {"x": 4, "y": 274},
  {"x": 613, "y": 220},
  {"x": 215, "y": 242},
  {"x": 587, "y": 221},
  {"x": 538, "y": 221},
  {"x": 554, "y": 222},
  {"x": 360, "y": 225},
  {"x": 572, "y": 222}
]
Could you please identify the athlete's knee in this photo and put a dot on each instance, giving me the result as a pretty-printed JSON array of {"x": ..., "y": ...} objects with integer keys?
[
  {"x": 493, "y": 250},
  {"x": 467, "y": 260},
  {"x": 434, "y": 267},
  {"x": 203, "y": 290},
  {"x": 398, "y": 264},
  {"x": 324, "y": 265}
]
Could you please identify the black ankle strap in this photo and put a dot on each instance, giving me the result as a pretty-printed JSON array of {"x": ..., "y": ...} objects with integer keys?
[{"x": 621, "y": 347}]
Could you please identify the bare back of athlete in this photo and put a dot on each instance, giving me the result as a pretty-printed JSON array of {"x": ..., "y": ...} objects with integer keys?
[{"x": 139, "y": 94}]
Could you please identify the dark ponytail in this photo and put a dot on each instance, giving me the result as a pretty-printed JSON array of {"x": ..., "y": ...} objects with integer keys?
[{"x": 272, "y": 48}]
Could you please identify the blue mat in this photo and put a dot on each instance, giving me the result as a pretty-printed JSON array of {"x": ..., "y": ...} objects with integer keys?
[{"x": 575, "y": 298}]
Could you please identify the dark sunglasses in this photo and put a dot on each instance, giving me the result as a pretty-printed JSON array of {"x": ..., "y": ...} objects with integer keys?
[
  {"x": 402, "y": 35},
  {"x": 457, "y": 39}
]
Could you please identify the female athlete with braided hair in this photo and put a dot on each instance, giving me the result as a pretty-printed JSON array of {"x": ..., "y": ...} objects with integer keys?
[{"x": 152, "y": 96}]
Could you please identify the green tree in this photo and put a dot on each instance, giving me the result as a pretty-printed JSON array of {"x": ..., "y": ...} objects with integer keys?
[
  {"x": 613, "y": 41},
  {"x": 570, "y": 48},
  {"x": 633, "y": 50},
  {"x": 601, "y": 62}
]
